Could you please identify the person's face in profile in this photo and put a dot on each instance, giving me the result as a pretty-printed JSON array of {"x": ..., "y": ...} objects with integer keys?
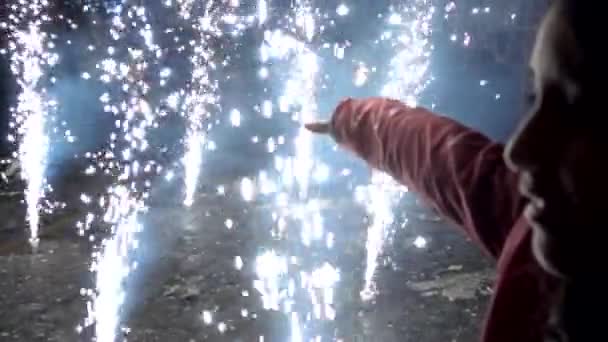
[{"x": 560, "y": 154}]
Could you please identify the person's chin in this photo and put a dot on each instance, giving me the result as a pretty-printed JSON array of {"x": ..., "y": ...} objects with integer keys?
[
  {"x": 545, "y": 248},
  {"x": 550, "y": 254}
]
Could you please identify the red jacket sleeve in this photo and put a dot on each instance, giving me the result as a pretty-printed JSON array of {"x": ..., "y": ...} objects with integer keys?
[{"x": 459, "y": 171}]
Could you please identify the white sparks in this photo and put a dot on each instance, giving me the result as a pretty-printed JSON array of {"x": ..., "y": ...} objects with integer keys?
[
  {"x": 420, "y": 242},
  {"x": 342, "y": 10},
  {"x": 270, "y": 270},
  {"x": 207, "y": 317},
  {"x": 29, "y": 59},
  {"x": 247, "y": 189},
  {"x": 235, "y": 118},
  {"x": 467, "y": 39},
  {"x": 262, "y": 11},
  {"x": 201, "y": 97},
  {"x": 238, "y": 263},
  {"x": 361, "y": 75},
  {"x": 192, "y": 161},
  {"x": 229, "y": 223},
  {"x": 408, "y": 77},
  {"x": 395, "y": 19},
  {"x": 112, "y": 267},
  {"x": 267, "y": 109},
  {"x": 123, "y": 204}
]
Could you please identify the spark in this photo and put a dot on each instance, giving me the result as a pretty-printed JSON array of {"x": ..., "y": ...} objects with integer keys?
[
  {"x": 408, "y": 74},
  {"x": 229, "y": 223},
  {"x": 270, "y": 270},
  {"x": 192, "y": 161},
  {"x": 235, "y": 118},
  {"x": 267, "y": 109},
  {"x": 296, "y": 329},
  {"x": 202, "y": 98},
  {"x": 395, "y": 19},
  {"x": 292, "y": 47},
  {"x": 338, "y": 51},
  {"x": 207, "y": 317},
  {"x": 407, "y": 78},
  {"x": 342, "y": 10},
  {"x": 467, "y": 39},
  {"x": 361, "y": 75},
  {"x": 420, "y": 242},
  {"x": 238, "y": 263},
  {"x": 300, "y": 90},
  {"x": 29, "y": 61},
  {"x": 247, "y": 189},
  {"x": 262, "y": 11},
  {"x": 112, "y": 267},
  {"x": 124, "y": 201},
  {"x": 379, "y": 206}
]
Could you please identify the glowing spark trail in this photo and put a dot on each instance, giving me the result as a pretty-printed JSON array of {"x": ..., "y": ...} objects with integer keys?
[
  {"x": 407, "y": 77},
  {"x": 127, "y": 68},
  {"x": 201, "y": 97},
  {"x": 292, "y": 47},
  {"x": 29, "y": 61}
]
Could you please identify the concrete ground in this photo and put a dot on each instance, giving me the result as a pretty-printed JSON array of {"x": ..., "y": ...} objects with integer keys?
[{"x": 187, "y": 286}]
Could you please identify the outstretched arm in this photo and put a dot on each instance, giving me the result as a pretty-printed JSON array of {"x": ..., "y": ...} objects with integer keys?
[{"x": 459, "y": 171}]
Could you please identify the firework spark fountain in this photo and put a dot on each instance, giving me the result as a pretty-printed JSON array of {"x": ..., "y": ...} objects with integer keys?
[
  {"x": 125, "y": 68},
  {"x": 297, "y": 171},
  {"x": 30, "y": 60},
  {"x": 407, "y": 78},
  {"x": 202, "y": 98},
  {"x": 202, "y": 94}
]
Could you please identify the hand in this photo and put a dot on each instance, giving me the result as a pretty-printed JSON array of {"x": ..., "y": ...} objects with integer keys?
[{"x": 319, "y": 127}]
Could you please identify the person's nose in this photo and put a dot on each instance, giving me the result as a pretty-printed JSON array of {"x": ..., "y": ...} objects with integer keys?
[{"x": 526, "y": 150}]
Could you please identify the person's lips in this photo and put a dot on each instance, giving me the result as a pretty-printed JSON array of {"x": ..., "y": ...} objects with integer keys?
[
  {"x": 536, "y": 205},
  {"x": 534, "y": 211}
]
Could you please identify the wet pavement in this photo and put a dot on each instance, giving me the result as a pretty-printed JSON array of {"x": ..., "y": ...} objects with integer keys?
[{"x": 197, "y": 269}]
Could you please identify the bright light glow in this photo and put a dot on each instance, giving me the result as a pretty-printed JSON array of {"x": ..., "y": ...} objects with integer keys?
[
  {"x": 342, "y": 10},
  {"x": 379, "y": 205},
  {"x": 235, "y": 118},
  {"x": 270, "y": 270},
  {"x": 207, "y": 317},
  {"x": 133, "y": 66},
  {"x": 112, "y": 267},
  {"x": 361, "y": 75},
  {"x": 247, "y": 189},
  {"x": 123, "y": 203},
  {"x": 420, "y": 242},
  {"x": 29, "y": 62},
  {"x": 192, "y": 161},
  {"x": 262, "y": 11},
  {"x": 407, "y": 78}
]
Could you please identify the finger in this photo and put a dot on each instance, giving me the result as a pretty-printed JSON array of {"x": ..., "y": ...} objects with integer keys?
[{"x": 319, "y": 127}]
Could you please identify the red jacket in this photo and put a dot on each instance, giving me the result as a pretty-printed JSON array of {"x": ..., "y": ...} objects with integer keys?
[{"x": 463, "y": 175}]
